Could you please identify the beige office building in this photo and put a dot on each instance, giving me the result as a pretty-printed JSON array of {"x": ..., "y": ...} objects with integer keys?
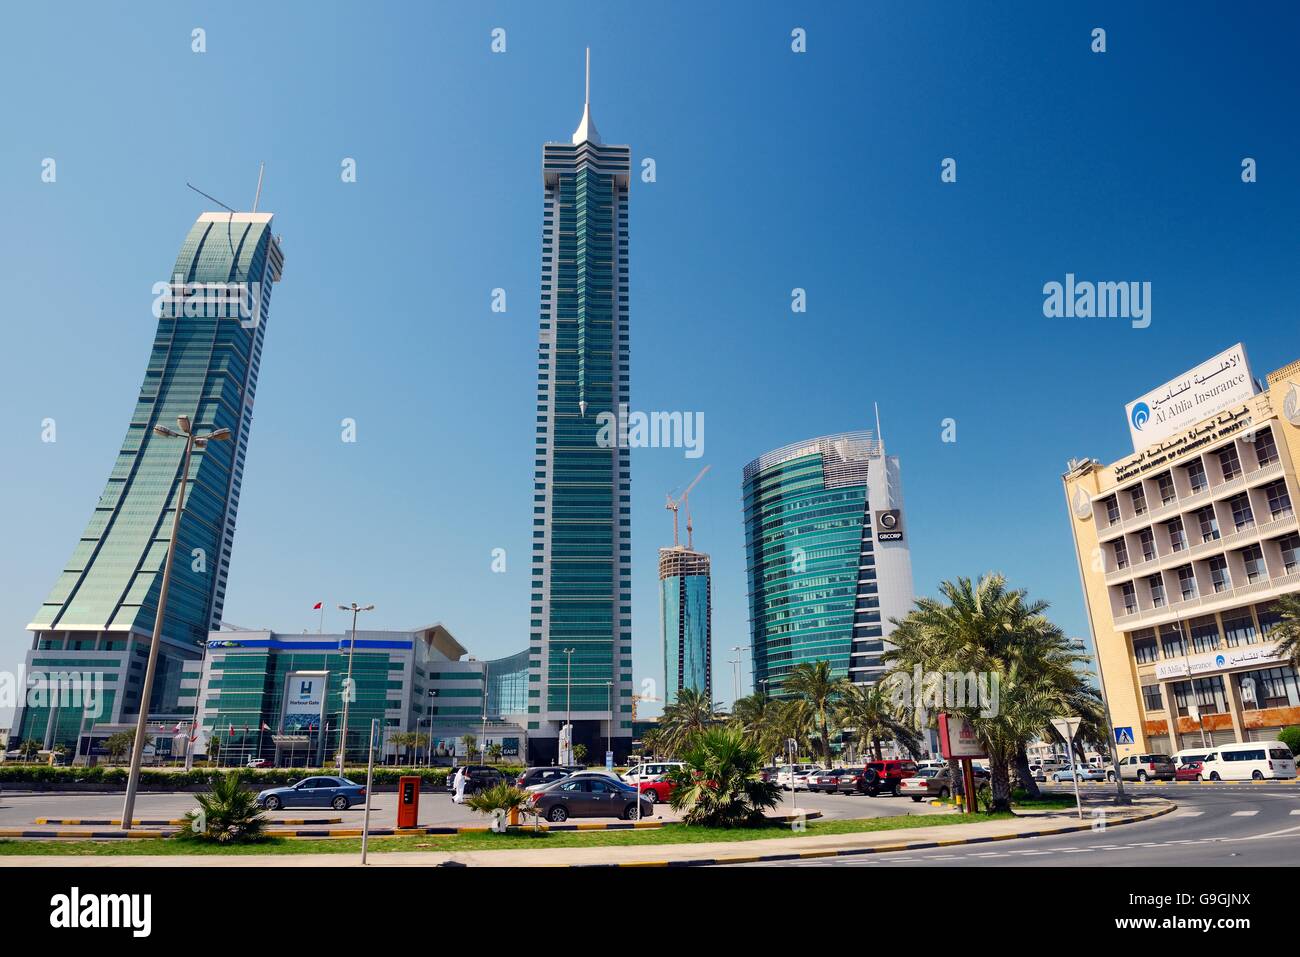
[{"x": 1184, "y": 548}]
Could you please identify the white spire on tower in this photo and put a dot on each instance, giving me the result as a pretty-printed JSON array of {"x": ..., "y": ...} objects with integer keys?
[{"x": 586, "y": 131}]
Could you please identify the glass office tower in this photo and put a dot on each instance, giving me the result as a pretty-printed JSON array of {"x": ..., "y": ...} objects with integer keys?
[
  {"x": 827, "y": 557},
  {"x": 581, "y": 614},
  {"x": 685, "y": 615},
  {"x": 212, "y": 311}
]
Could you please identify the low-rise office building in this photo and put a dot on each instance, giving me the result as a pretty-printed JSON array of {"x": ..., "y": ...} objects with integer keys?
[
  {"x": 1184, "y": 548},
  {"x": 265, "y": 694}
]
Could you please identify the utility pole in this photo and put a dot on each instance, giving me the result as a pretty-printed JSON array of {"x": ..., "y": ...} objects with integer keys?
[
  {"x": 192, "y": 442},
  {"x": 347, "y": 684}
]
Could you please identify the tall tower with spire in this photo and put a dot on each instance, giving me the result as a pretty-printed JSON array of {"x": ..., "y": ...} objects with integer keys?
[{"x": 580, "y": 648}]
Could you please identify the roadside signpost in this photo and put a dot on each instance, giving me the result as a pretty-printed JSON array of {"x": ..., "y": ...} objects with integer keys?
[
  {"x": 1068, "y": 728},
  {"x": 957, "y": 740}
]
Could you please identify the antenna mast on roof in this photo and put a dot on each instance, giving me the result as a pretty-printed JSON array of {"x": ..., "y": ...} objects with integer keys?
[{"x": 258, "y": 195}]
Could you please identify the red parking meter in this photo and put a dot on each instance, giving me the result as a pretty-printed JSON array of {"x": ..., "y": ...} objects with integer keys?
[{"x": 408, "y": 800}]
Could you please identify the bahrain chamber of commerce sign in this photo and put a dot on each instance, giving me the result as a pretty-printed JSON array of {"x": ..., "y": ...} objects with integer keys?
[{"x": 1197, "y": 394}]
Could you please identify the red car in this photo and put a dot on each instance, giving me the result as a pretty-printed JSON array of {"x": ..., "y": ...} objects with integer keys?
[
  {"x": 1188, "y": 771},
  {"x": 892, "y": 773},
  {"x": 656, "y": 792}
]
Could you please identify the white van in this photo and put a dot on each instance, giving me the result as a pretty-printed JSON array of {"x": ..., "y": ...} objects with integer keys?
[
  {"x": 649, "y": 772},
  {"x": 1188, "y": 755},
  {"x": 1254, "y": 760}
]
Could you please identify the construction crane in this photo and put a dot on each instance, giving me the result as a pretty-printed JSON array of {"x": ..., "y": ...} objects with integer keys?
[{"x": 674, "y": 504}]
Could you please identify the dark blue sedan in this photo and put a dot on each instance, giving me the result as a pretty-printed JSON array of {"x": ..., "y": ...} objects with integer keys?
[{"x": 338, "y": 793}]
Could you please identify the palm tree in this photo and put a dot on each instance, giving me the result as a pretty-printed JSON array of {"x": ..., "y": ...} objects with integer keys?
[
  {"x": 494, "y": 752},
  {"x": 812, "y": 683},
  {"x": 873, "y": 718},
  {"x": 505, "y": 798},
  {"x": 29, "y": 748},
  {"x": 1287, "y": 631},
  {"x": 228, "y": 814},
  {"x": 760, "y": 719},
  {"x": 689, "y": 713},
  {"x": 470, "y": 743},
  {"x": 718, "y": 784},
  {"x": 986, "y": 629}
]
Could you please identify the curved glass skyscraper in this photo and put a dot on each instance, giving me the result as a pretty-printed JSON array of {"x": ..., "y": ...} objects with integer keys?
[
  {"x": 826, "y": 555},
  {"x": 212, "y": 312}
]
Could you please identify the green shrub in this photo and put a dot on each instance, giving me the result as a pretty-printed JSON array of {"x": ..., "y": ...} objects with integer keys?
[
  {"x": 228, "y": 814},
  {"x": 1291, "y": 738}
]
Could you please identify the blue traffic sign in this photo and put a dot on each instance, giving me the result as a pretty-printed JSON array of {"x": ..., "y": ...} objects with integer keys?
[{"x": 1124, "y": 735}]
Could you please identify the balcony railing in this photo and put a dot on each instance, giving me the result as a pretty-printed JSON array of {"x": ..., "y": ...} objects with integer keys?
[
  {"x": 1225, "y": 543},
  {"x": 1147, "y": 617}
]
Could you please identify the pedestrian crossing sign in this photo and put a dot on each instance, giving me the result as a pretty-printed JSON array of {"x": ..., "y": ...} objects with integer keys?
[{"x": 1123, "y": 735}]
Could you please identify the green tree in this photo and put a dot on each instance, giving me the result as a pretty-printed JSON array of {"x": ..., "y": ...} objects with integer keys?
[
  {"x": 470, "y": 744},
  {"x": 119, "y": 745},
  {"x": 761, "y": 720},
  {"x": 1287, "y": 631},
  {"x": 1291, "y": 738},
  {"x": 29, "y": 749},
  {"x": 986, "y": 630},
  {"x": 579, "y": 754},
  {"x": 813, "y": 684},
  {"x": 228, "y": 814},
  {"x": 873, "y": 717},
  {"x": 494, "y": 752},
  {"x": 504, "y": 798},
  {"x": 689, "y": 713},
  {"x": 718, "y": 784}
]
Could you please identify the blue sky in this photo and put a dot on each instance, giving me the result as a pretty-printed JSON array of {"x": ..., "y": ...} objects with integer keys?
[{"x": 775, "y": 170}]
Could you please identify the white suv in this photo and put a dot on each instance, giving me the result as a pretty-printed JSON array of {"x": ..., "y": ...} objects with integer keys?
[{"x": 649, "y": 772}]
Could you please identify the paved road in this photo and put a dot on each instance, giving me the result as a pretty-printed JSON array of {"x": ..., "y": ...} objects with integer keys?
[
  {"x": 18, "y": 810},
  {"x": 1215, "y": 826}
]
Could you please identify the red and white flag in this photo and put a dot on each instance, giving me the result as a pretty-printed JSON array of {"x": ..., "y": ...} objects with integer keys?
[
  {"x": 316, "y": 607},
  {"x": 265, "y": 726},
  {"x": 177, "y": 729},
  {"x": 232, "y": 731}
]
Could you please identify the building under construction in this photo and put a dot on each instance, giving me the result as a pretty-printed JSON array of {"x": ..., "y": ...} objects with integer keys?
[{"x": 685, "y": 605}]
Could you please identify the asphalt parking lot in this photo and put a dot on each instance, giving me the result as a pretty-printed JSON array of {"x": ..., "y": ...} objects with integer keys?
[{"x": 22, "y": 809}]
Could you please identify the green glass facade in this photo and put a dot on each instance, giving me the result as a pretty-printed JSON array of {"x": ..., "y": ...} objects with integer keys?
[
  {"x": 581, "y": 569},
  {"x": 212, "y": 311},
  {"x": 685, "y": 615},
  {"x": 810, "y": 558}
]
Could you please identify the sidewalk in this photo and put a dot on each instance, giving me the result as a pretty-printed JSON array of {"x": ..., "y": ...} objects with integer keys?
[{"x": 1031, "y": 824}]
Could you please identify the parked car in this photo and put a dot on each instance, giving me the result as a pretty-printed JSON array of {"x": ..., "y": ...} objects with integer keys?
[
  {"x": 582, "y": 774},
  {"x": 547, "y": 775},
  {"x": 927, "y": 783},
  {"x": 654, "y": 771},
  {"x": 1188, "y": 771},
  {"x": 258, "y": 763},
  {"x": 786, "y": 774},
  {"x": 1255, "y": 760},
  {"x": 590, "y": 796},
  {"x": 768, "y": 775},
  {"x": 480, "y": 777},
  {"x": 1082, "y": 771},
  {"x": 1144, "y": 767},
  {"x": 338, "y": 793},
  {"x": 859, "y": 781},
  {"x": 803, "y": 777},
  {"x": 892, "y": 773},
  {"x": 827, "y": 781}
]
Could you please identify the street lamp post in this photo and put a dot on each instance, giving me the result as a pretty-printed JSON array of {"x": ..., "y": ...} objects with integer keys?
[
  {"x": 568, "y": 699},
  {"x": 347, "y": 685},
  {"x": 609, "y": 725},
  {"x": 735, "y": 676},
  {"x": 192, "y": 441}
]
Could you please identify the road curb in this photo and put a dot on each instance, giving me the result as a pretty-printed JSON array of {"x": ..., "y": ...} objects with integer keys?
[{"x": 882, "y": 849}]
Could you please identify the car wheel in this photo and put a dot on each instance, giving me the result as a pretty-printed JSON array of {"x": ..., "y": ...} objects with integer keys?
[
  {"x": 944, "y": 793},
  {"x": 1214, "y": 775},
  {"x": 1110, "y": 776},
  {"x": 1257, "y": 776},
  {"x": 873, "y": 792},
  {"x": 557, "y": 815},
  {"x": 1200, "y": 779},
  {"x": 650, "y": 795},
  {"x": 273, "y": 803},
  {"x": 916, "y": 799},
  {"x": 340, "y": 803},
  {"x": 1142, "y": 776},
  {"x": 629, "y": 812}
]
